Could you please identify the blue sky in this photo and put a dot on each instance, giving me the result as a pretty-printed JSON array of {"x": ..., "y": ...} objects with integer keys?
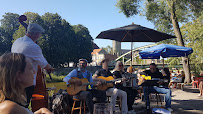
[{"x": 96, "y": 15}]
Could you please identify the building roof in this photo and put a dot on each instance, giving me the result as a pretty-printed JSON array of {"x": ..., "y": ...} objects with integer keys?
[
  {"x": 96, "y": 51},
  {"x": 99, "y": 51}
]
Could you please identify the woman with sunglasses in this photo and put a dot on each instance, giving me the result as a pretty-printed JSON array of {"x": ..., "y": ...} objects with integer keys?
[{"x": 131, "y": 93}]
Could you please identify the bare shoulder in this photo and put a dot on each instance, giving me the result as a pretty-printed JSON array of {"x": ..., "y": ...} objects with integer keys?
[{"x": 10, "y": 107}]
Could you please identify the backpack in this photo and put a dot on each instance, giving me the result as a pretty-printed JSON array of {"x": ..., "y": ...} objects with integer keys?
[{"x": 61, "y": 102}]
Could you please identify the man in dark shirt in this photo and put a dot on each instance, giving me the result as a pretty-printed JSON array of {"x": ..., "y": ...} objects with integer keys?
[
  {"x": 113, "y": 92},
  {"x": 154, "y": 73}
]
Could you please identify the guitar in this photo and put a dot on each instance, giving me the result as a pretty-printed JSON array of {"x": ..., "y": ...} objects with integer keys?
[
  {"x": 151, "y": 81},
  {"x": 109, "y": 82},
  {"x": 73, "y": 89}
]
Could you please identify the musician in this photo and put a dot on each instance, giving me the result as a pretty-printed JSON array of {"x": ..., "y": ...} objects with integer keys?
[
  {"x": 88, "y": 95},
  {"x": 27, "y": 46},
  {"x": 154, "y": 73},
  {"x": 113, "y": 92},
  {"x": 131, "y": 93},
  {"x": 16, "y": 73}
]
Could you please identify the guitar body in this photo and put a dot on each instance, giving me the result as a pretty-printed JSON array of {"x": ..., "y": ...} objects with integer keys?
[
  {"x": 40, "y": 95},
  {"x": 73, "y": 89},
  {"x": 107, "y": 85}
]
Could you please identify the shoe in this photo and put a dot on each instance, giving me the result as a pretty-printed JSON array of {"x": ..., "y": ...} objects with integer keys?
[
  {"x": 169, "y": 109},
  {"x": 199, "y": 95}
]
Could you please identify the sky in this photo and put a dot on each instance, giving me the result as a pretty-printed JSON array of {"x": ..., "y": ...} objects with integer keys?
[{"x": 96, "y": 15}]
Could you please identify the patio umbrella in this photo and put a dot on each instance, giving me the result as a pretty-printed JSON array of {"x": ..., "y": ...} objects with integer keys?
[
  {"x": 134, "y": 33},
  {"x": 165, "y": 50}
]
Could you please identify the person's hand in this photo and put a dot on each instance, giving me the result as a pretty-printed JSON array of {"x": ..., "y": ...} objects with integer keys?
[
  {"x": 160, "y": 82},
  {"x": 49, "y": 68},
  {"x": 43, "y": 111},
  {"x": 123, "y": 79},
  {"x": 98, "y": 83}
]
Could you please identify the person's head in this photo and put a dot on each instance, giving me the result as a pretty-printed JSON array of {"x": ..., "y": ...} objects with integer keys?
[
  {"x": 83, "y": 64},
  {"x": 165, "y": 72},
  {"x": 104, "y": 62},
  {"x": 34, "y": 31},
  {"x": 130, "y": 69},
  {"x": 152, "y": 67},
  {"x": 119, "y": 66},
  {"x": 16, "y": 73}
]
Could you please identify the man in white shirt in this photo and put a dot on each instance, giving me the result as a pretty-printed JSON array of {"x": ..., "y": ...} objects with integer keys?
[{"x": 27, "y": 46}]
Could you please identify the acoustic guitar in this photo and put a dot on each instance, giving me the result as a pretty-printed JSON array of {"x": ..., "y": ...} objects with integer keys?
[
  {"x": 109, "y": 82},
  {"x": 73, "y": 89}
]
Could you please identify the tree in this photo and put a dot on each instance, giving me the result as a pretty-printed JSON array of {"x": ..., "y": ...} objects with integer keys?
[
  {"x": 193, "y": 33},
  {"x": 108, "y": 49},
  {"x": 165, "y": 14},
  {"x": 84, "y": 42},
  {"x": 9, "y": 24},
  {"x": 58, "y": 41}
]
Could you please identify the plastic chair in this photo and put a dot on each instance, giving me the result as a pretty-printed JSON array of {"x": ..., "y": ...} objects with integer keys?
[{"x": 195, "y": 84}]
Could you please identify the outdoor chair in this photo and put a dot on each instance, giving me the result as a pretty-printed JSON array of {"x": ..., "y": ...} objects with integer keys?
[{"x": 82, "y": 105}]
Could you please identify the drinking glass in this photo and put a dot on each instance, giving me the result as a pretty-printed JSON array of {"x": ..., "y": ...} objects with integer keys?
[{"x": 102, "y": 108}]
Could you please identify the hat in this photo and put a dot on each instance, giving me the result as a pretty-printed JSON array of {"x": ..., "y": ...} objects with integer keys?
[
  {"x": 104, "y": 59},
  {"x": 34, "y": 28},
  {"x": 83, "y": 60}
]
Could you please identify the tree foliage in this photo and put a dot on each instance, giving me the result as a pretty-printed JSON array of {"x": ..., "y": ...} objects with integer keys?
[
  {"x": 9, "y": 24},
  {"x": 108, "y": 49},
  {"x": 61, "y": 43},
  {"x": 166, "y": 16},
  {"x": 193, "y": 33}
]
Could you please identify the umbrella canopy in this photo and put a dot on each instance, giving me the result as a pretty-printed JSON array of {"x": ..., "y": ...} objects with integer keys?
[
  {"x": 134, "y": 33},
  {"x": 165, "y": 50}
]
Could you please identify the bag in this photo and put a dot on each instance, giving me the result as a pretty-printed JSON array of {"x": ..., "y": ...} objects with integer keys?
[{"x": 61, "y": 102}]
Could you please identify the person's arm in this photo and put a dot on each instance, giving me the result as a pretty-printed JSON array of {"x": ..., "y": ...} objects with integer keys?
[
  {"x": 10, "y": 107},
  {"x": 97, "y": 74},
  {"x": 43, "y": 111},
  {"x": 68, "y": 79}
]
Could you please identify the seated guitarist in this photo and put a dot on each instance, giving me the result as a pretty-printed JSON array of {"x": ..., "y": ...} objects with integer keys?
[
  {"x": 154, "y": 73},
  {"x": 131, "y": 93},
  {"x": 113, "y": 92},
  {"x": 88, "y": 95}
]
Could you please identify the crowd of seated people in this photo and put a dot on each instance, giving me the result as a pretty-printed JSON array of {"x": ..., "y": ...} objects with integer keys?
[{"x": 15, "y": 98}]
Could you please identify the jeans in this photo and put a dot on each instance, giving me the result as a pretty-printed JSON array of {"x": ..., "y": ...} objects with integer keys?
[
  {"x": 165, "y": 91},
  {"x": 114, "y": 92}
]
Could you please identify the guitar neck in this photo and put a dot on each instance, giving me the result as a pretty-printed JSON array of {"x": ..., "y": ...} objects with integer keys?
[{"x": 89, "y": 83}]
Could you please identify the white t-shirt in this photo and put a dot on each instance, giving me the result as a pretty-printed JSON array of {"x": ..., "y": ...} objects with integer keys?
[{"x": 32, "y": 51}]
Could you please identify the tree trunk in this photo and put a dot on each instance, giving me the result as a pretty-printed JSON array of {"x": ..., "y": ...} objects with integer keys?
[{"x": 185, "y": 60}]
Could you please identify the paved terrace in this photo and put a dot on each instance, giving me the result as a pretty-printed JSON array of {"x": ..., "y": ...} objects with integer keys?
[{"x": 183, "y": 102}]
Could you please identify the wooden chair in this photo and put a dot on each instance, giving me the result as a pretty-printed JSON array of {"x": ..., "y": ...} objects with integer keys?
[
  {"x": 158, "y": 97},
  {"x": 82, "y": 105}
]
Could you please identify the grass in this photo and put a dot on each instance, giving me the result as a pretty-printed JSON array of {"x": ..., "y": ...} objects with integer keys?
[{"x": 55, "y": 78}]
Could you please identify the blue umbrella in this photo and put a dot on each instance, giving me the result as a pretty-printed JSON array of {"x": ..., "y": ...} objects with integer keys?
[{"x": 165, "y": 50}]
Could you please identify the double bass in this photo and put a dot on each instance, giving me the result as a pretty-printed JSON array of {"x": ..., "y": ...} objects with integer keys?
[{"x": 40, "y": 96}]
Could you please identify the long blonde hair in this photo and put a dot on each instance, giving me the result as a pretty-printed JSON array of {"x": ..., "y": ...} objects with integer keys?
[
  {"x": 10, "y": 87},
  {"x": 117, "y": 66}
]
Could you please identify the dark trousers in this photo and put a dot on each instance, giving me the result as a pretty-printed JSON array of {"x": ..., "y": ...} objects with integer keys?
[
  {"x": 88, "y": 95},
  {"x": 29, "y": 91},
  {"x": 131, "y": 94}
]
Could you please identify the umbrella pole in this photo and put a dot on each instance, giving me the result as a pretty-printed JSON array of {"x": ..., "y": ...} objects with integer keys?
[
  {"x": 131, "y": 53},
  {"x": 163, "y": 62}
]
